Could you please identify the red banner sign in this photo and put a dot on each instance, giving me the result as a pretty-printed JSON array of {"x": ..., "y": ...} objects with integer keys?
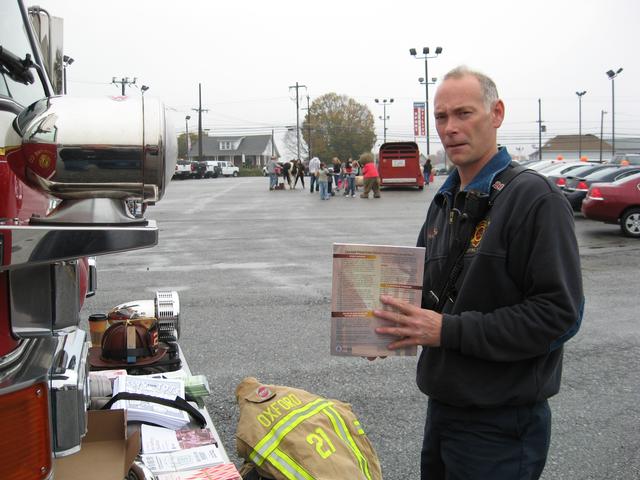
[{"x": 418, "y": 119}]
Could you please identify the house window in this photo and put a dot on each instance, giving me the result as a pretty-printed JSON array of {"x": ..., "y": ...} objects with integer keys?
[{"x": 226, "y": 145}]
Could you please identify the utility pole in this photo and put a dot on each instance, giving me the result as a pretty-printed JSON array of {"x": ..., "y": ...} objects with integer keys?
[
  {"x": 199, "y": 110},
  {"x": 297, "y": 87},
  {"x": 124, "y": 82},
  {"x": 541, "y": 128},
  {"x": 602, "y": 113},
  {"x": 308, "y": 109}
]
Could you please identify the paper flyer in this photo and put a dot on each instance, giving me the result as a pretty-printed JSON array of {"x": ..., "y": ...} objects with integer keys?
[{"x": 361, "y": 273}]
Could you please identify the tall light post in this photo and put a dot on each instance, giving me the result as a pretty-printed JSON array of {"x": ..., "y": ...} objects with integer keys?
[
  {"x": 580, "y": 95},
  {"x": 422, "y": 81},
  {"x": 611, "y": 74},
  {"x": 66, "y": 61},
  {"x": 426, "y": 56},
  {"x": 384, "y": 117},
  {"x": 602, "y": 114},
  {"x": 186, "y": 139}
]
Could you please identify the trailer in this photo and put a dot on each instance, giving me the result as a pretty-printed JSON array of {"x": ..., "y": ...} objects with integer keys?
[{"x": 399, "y": 165}]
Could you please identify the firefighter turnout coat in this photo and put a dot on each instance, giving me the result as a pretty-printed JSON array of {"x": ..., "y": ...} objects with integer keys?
[{"x": 292, "y": 434}]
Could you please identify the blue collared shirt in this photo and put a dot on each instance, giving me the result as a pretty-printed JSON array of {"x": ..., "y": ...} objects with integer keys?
[{"x": 482, "y": 181}]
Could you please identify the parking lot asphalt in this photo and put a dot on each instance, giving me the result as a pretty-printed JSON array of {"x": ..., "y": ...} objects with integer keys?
[{"x": 253, "y": 269}]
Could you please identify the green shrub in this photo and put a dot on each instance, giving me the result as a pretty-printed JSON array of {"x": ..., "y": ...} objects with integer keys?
[{"x": 250, "y": 172}]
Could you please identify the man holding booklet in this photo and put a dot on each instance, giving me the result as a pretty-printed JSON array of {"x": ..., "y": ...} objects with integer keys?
[{"x": 502, "y": 293}]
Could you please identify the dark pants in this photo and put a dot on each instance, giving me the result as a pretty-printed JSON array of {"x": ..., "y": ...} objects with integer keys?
[{"x": 505, "y": 443}]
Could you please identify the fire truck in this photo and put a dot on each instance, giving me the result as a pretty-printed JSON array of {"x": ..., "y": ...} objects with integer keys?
[{"x": 75, "y": 178}]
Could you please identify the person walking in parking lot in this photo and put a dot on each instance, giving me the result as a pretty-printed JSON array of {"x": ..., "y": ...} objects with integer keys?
[
  {"x": 298, "y": 173},
  {"x": 271, "y": 171},
  {"x": 428, "y": 168},
  {"x": 350, "y": 179},
  {"x": 502, "y": 294},
  {"x": 286, "y": 173},
  {"x": 324, "y": 175},
  {"x": 371, "y": 176},
  {"x": 314, "y": 166}
]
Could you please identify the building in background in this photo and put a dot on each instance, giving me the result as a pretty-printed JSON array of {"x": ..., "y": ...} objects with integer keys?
[{"x": 245, "y": 150}]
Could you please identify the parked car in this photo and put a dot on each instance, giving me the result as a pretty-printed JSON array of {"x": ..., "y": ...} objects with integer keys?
[
  {"x": 576, "y": 189},
  {"x": 211, "y": 169},
  {"x": 560, "y": 179},
  {"x": 182, "y": 170},
  {"x": 626, "y": 159},
  {"x": 617, "y": 202},
  {"x": 198, "y": 169},
  {"x": 541, "y": 164},
  {"x": 228, "y": 169},
  {"x": 560, "y": 168}
]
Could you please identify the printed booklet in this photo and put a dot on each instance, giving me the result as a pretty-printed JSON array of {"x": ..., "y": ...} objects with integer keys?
[{"x": 361, "y": 273}]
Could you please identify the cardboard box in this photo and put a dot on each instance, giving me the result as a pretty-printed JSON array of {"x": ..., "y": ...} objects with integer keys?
[{"x": 106, "y": 451}]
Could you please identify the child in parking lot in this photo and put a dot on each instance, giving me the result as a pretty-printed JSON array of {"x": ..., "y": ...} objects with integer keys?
[
  {"x": 350, "y": 179},
  {"x": 323, "y": 180}
]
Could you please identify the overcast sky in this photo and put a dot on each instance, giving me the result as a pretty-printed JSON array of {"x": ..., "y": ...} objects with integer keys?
[{"x": 247, "y": 53}]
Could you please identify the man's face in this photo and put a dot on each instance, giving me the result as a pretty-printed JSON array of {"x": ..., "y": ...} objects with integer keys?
[{"x": 466, "y": 128}]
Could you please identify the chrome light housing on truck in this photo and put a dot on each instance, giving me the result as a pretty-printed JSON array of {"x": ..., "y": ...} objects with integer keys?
[{"x": 95, "y": 154}]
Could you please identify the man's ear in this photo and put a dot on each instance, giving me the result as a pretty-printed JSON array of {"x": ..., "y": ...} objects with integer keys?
[{"x": 497, "y": 113}]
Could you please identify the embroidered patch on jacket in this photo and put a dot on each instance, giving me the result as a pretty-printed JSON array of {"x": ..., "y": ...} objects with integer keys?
[
  {"x": 263, "y": 392},
  {"x": 477, "y": 235},
  {"x": 498, "y": 185}
]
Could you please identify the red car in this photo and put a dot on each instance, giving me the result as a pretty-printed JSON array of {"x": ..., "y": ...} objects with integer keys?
[{"x": 617, "y": 202}]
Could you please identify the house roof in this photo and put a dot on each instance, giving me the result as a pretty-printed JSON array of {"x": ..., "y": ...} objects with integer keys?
[
  {"x": 564, "y": 143},
  {"x": 247, "y": 145}
]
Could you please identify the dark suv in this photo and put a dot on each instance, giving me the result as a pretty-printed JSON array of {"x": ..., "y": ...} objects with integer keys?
[{"x": 198, "y": 169}]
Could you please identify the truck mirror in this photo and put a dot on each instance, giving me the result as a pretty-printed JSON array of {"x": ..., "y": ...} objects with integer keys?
[
  {"x": 95, "y": 154},
  {"x": 49, "y": 34}
]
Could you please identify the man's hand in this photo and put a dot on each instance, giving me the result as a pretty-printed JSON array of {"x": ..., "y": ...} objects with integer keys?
[{"x": 415, "y": 326}]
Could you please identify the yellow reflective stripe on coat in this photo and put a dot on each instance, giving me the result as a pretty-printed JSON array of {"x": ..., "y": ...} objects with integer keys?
[
  {"x": 342, "y": 431},
  {"x": 286, "y": 465},
  {"x": 277, "y": 433}
]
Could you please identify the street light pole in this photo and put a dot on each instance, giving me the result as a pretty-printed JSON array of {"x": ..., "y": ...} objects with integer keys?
[
  {"x": 611, "y": 74},
  {"x": 66, "y": 61},
  {"x": 384, "y": 118},
  {"x": 580, "y": 94},
  {"x": 426, "y": 56},
  {"x": 602, "y": 113}
]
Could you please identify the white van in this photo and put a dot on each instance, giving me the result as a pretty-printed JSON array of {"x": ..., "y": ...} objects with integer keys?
[{"x": 228, "y": 169}]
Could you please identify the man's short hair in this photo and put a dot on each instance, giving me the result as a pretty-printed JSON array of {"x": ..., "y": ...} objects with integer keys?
[{"x": 488, "y": 86}]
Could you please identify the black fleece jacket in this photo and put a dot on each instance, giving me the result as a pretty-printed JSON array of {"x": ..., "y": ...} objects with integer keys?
[{"x": 519, "y": 296}]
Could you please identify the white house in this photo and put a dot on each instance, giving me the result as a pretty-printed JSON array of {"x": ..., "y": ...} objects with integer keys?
[{"x": 245, "y": 150}]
